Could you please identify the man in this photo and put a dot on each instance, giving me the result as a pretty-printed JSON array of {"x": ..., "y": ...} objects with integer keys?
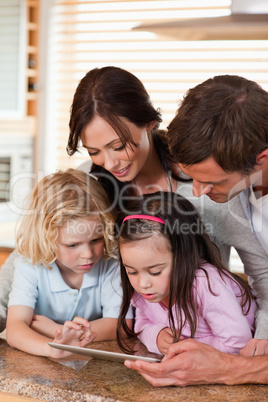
[{"x": 219, "y": 137}]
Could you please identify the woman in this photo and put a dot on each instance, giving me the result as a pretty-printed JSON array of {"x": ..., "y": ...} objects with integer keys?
[{"x": 114, "y": 118}]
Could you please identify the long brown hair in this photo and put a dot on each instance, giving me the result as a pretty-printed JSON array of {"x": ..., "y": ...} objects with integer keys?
[
  {"x": 191, "y": 247},
  {"x": 114, "y": 93},
  {"x": 111, "y": 93}
]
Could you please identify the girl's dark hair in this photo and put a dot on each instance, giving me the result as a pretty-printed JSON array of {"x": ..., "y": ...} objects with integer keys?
[{"x": 191, "y": 248}]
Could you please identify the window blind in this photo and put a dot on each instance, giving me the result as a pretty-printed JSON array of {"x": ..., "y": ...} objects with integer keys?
[
  {"x": 88, "y": 34},
  {"x": 11, "y": 60}
]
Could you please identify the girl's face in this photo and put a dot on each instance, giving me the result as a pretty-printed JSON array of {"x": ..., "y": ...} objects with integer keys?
[
  {"x": 148, "y": 264},
  {"x": 106, "y": 149},
  {"x": 80, "y": 245}
]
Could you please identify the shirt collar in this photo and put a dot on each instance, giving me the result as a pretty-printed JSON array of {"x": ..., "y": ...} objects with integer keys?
[{"x": 57, "y": 283}]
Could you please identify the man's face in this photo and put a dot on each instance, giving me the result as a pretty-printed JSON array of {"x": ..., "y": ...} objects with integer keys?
[{"x": 210, "y": 179}]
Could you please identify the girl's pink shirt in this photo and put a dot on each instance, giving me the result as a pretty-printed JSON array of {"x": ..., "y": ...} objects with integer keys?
[{"x": 220, "y": 319}]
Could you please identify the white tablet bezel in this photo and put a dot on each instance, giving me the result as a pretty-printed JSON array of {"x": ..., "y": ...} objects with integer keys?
[{"x": 102, "y": 354}]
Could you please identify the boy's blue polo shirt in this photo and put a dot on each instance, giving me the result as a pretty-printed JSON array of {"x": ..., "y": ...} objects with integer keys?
[{"x": 46, "y": 292}]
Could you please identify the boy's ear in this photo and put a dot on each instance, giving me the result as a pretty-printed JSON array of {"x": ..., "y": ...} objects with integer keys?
[{"x": 262, "y": 157}]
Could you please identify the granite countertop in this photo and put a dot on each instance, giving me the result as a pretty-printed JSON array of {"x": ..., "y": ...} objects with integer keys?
[{"x": 81, "y": 379}]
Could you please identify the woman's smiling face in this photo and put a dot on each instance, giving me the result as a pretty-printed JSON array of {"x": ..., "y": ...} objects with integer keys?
[{"x": 107, "y": 150}]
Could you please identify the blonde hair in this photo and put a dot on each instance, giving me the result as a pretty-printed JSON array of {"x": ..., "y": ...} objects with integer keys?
[{"x": 56, "y": 199}]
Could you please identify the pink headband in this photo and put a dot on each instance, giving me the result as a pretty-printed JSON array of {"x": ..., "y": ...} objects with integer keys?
[{"x": 149, "y": 217}]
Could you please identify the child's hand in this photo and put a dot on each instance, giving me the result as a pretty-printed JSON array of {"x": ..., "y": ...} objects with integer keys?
[
  {"x": 75, "y": 333},
  {"x": 164, "y": 339}
]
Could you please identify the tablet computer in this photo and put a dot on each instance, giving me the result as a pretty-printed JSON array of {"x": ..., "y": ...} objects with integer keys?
[{"x": 102, "y": 354}]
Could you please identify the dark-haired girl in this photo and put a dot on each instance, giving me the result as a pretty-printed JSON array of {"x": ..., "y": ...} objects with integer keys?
[{"x": 173, "y": 275}]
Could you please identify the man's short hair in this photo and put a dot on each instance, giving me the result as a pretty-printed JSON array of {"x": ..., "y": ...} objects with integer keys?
[{"x": 225, "y": 117}]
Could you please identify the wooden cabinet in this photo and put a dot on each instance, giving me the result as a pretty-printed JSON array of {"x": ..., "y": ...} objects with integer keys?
[
  {"x": 4, "y": 253},
  {"x": 32, "y": 85}
]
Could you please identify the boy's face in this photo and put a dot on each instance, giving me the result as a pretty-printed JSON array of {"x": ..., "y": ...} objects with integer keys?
[
  {"x": 148, "y": 264},
  {"x": 210, "y": 179},
  {"x": 80, "y": 245}
]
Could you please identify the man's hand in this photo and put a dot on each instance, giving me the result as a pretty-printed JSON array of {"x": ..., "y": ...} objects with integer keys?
[{"x": 187, "y": 362}]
